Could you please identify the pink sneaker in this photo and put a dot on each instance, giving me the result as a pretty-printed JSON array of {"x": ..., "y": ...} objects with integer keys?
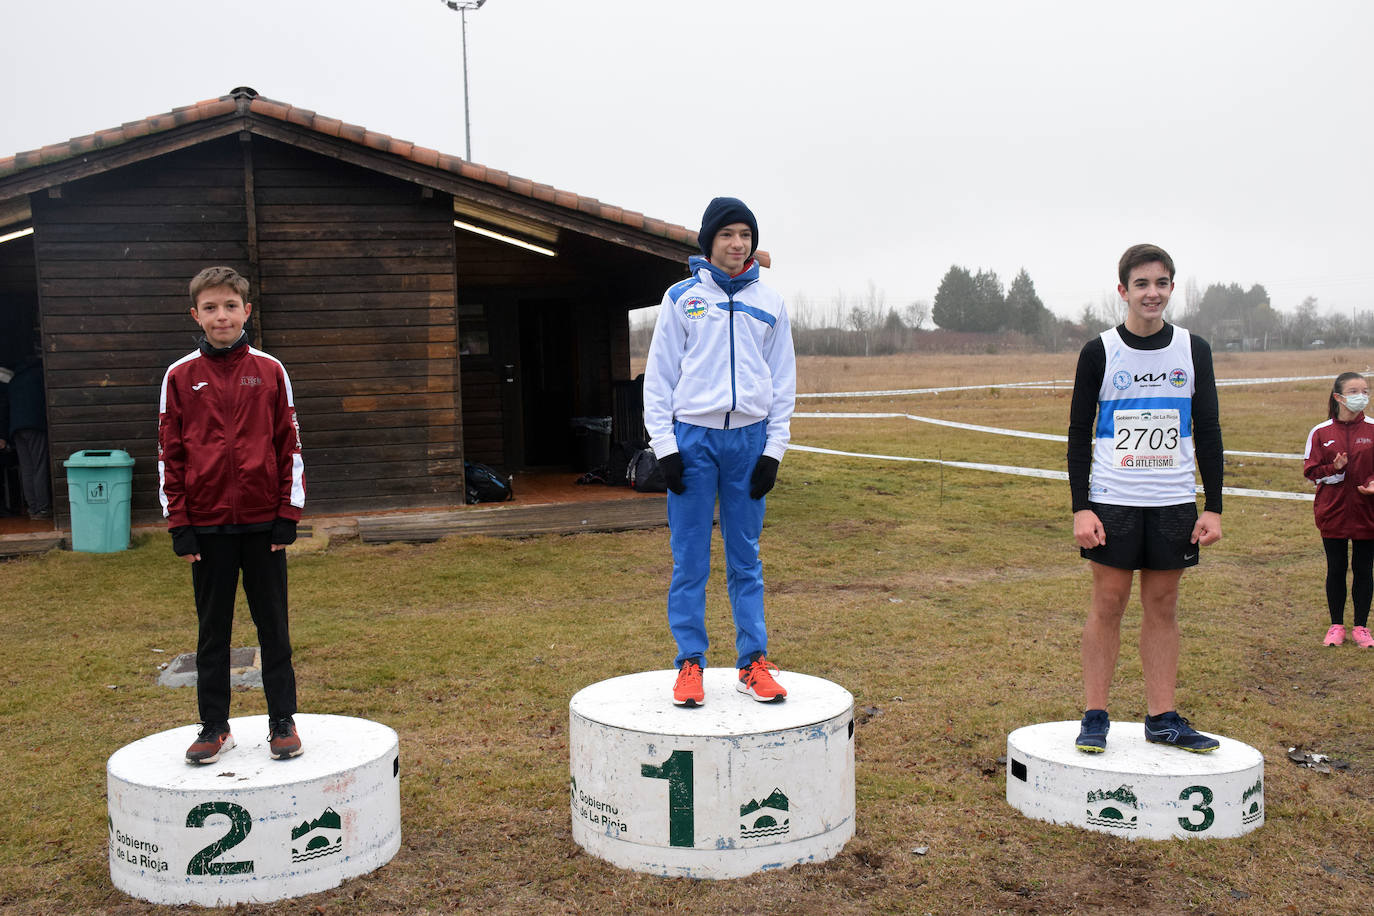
[
  {"x": 1360, "y": 636},
  {"x": 1336, "y": 635}
]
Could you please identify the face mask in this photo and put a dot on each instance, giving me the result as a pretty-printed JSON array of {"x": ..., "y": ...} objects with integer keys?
[{"x": 1356, "y": 402}]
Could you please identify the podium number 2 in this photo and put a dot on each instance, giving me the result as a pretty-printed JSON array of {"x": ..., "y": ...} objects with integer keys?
[
  {"x": 240, "y": 822},
  {"x": 677, "y": 769},
  {"x": 1201, "y": 807}
]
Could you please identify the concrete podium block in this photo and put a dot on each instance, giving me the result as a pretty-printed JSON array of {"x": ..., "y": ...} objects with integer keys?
[
  {"x": 1135, "y": 789},
  {"x": 722, "y": 790},
  {"x": 247, "y": 828}
]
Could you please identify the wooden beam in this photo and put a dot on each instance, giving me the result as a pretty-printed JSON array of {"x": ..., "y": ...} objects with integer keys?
[{"x": 251, "y": 219}]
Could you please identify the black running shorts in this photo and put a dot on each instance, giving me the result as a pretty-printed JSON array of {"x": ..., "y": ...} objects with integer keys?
[{"x": 1145, "y": 537}]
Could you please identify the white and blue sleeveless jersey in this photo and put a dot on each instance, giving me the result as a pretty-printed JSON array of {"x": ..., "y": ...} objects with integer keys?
[{"x": 1143, "y": 443}]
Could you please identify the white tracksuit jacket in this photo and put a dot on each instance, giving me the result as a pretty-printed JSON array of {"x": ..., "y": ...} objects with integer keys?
[{"x": 721, "y": 358}]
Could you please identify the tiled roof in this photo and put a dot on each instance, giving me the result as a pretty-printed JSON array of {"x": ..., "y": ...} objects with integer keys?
[{"x": 245, "y": 101}]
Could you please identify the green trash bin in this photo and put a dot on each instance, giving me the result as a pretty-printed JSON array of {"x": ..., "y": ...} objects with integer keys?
[{"x": 99, "y": 487}]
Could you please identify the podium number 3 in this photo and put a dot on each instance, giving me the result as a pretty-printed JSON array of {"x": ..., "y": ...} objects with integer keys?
[
  {"x": 240, "y": 822},
  {"x": 1201, "y": 807},
  {"x": 677, "y": 769}
]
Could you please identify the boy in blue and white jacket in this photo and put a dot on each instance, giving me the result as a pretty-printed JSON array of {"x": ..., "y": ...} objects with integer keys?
[{"x": 719, "y": 389}]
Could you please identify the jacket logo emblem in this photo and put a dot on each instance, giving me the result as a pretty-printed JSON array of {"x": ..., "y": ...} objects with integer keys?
[
  {"x": 199, "y": 385},
  {"x": 694, "y": 307},
  {"x": 249, "y": 380},
  {"x": 1328, "y": 443},
  {"x": 1122, "y": 380},
  {"x": 1178, "y": 378}
]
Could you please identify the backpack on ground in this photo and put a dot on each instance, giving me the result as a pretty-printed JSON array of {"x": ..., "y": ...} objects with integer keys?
[
  {"x": 484, "y": 484},
  {"x": 644, "y": 474},
  {"x": 618, "y": 464}
]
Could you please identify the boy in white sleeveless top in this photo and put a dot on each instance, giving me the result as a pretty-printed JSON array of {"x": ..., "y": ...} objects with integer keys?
[{"x": 1144, "y": 418}]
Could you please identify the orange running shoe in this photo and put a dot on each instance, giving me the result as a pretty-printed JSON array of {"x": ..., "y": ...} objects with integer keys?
[
  {"x": 214, "y": 739},
  {"x": 757, "y": 681},
  {"x": 283, "y": 740},
  {"x": 688, "y": 690}
]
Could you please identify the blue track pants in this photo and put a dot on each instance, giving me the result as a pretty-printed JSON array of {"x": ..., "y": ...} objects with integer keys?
[{"x": 717, "y": 462}]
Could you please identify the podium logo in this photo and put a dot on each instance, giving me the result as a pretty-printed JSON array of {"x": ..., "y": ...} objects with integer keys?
[
  {"x": 1252, "y": 803},
  {"x": 765, "y": 818},
  {"x": 1115, "y": 809},
  {"x": 321, "y": 837}
]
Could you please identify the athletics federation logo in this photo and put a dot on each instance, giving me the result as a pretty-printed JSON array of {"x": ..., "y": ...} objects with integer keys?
[
  {"x": 1122, "y": 380},
  {"x": 694, "y": 307},
  {"x": 1178, "y": 378}
]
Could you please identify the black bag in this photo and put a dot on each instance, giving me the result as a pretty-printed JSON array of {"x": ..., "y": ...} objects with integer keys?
[
  {"x": 644, "y": 474},
  {"x": 485, "y": 485},
  {"x": 618, "y": 465}
]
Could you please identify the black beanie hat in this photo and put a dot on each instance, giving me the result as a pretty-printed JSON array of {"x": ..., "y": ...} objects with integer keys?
[{"x": 722, "y": 212}]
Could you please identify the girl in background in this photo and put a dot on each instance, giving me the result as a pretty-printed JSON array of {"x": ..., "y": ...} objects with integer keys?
[{"x": 1339, "y": 459}]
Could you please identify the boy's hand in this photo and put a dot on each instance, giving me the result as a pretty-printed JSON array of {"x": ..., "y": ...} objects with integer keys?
[
  {"x": 1207, "y": 530},
  {"x": 1087, "y": 529},
  {"x": 185, "y": 543},
  {"x": 283, "y": 533},
  {"x": 764, "y": 476},
  {"x": 671, "y": 466}
]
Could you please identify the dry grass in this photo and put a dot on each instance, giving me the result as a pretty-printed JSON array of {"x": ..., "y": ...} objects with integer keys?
[{"x": 949, "y": 600}]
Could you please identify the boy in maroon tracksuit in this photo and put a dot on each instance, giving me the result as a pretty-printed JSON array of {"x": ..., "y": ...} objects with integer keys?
[{"x": 232, "y": 486}]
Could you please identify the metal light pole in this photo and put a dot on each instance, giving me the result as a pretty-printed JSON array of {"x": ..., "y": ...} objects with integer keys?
[{"x": 462, "y": 7}]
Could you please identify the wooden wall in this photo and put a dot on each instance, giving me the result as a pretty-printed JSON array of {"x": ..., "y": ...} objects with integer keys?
[
  {"x": 357, "y": 300},
  {"x": 115, "y": 253}
]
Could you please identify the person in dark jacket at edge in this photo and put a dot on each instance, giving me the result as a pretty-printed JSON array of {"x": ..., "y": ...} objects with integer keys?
[{"x": 24, "y": 420}]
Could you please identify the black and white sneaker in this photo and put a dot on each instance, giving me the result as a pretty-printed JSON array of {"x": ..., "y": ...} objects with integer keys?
[{"x": 1172, "y": 729}]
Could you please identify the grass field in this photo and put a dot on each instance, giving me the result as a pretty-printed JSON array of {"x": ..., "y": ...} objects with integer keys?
[{"x": 948, "y": 601}]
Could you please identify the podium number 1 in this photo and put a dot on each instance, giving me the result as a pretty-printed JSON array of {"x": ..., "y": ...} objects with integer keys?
[{"x": 677, "y": 769}]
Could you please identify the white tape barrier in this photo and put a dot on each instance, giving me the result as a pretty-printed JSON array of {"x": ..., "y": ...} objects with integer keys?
[
  {"x": 1051, "y": 384},
  {"x": 1031, "y": 472},
  {"x": 998, "y": 431},
  {"x": 1229, "y": 382}
]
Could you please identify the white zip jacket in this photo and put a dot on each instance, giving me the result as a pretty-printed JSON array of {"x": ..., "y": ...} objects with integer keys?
[{"x": 721, "y": 358}]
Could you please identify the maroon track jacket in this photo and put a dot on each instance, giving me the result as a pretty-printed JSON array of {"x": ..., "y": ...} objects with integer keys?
[{"x": 229, "y": 446}]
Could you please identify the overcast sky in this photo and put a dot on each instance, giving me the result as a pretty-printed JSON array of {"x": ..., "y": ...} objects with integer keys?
[{"x": 876, "y": 142}]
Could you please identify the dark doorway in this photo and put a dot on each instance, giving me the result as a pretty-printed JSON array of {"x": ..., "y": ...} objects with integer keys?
[{"x": 548, "y": 368}]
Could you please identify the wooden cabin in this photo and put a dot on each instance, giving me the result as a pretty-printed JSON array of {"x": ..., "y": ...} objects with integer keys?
[{"x": 427, "y": 308}]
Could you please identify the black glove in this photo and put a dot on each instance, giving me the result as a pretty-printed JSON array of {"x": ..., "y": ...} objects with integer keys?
[
  {"x": 764, "y": 476},
  {"x": 283, "y": 531},
  {"x": 671, "y": 466},
  {"x": 184, "y": 541}
]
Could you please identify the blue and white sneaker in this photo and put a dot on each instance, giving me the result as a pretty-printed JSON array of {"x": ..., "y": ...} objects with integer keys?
[
  {"x": 1172, "y": 729},
  {"x": 1092, "y": 736}
]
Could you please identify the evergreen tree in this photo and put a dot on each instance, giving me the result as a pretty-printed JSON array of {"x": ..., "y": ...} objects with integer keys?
[
  {"x": 955, "y": 301},
  {"x": 1027, "y": 313},
  {"x": 990, "y": 304}
]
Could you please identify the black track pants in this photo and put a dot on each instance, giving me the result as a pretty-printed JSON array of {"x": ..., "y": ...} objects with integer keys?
[{"x": 215, "y": 578}]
